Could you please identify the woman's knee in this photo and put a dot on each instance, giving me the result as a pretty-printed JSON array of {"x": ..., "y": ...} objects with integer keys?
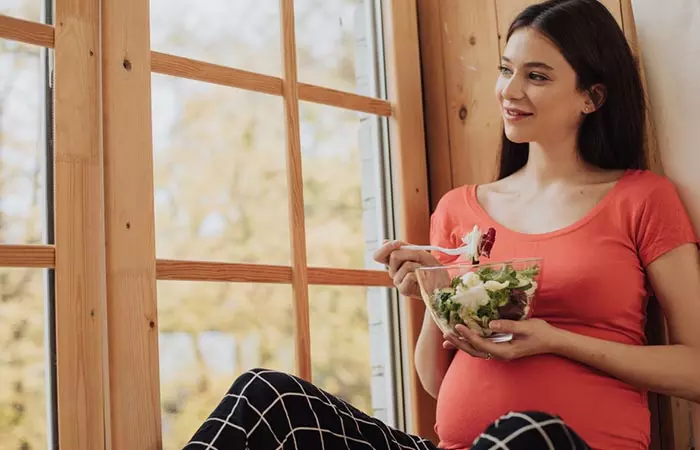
[
  {"x": 262, "y": 381},
  {"x": 530, "y": 430}
]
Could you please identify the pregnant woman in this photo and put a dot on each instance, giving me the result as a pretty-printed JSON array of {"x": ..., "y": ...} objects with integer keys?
[{"x": 573, "y": 189}]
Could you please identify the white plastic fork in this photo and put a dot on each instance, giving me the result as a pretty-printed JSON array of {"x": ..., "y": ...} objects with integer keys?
[{"x": 448, "y": 251}]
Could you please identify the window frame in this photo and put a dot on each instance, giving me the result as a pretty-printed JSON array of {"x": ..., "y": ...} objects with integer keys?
[{"x": 104, "y": 251}]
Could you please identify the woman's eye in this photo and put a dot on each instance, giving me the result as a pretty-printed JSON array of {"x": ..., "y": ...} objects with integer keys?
[
  {"x": 504, "y": 70},
  {"x": 538, "y": 77}
]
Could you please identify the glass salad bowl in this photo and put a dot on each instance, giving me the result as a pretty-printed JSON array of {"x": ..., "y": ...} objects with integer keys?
[{"x": 476, "y": 294}]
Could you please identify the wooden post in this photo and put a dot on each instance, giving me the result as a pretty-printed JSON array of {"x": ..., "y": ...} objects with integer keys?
[
  {"x": 79, "y": 228},
  {"x": 436, "y": 106},
  {"x": 130, "y": 229},
  {"x": 411, "y": 173},
  {"x": 297, "y": 231}
]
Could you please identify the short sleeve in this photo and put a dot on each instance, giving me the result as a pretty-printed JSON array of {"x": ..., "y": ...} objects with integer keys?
[
  {"x": 442, "y": 229},
  {"x": 663, "y": 223}
]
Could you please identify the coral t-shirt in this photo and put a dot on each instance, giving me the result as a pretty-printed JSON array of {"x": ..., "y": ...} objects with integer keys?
[{"x": 593, "y": 283}]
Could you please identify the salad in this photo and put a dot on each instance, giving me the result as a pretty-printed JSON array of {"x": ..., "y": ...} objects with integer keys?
[
  {"x": 479, "y": 244},
  {"x": 476, "y": 298},
  {"x": 488, "y": 292}
]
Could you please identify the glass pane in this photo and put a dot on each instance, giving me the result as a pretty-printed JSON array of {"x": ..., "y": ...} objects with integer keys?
[
  {"x": 244, "y": 34},
  {"x": 22, "y": 9},
  {"x": 23, "y": 371},
  {"x": 21, "y": 144},
  {"x": 209, "y": 334},
  {"x": 334, "y": 42},
  {"x": 340, "y": 343},
  {"x": 220, "y": 176},
  {"x": 341, "y": 189}
]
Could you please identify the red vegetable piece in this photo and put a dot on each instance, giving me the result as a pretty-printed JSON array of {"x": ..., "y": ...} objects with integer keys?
[{"x": 487, "y": 241}]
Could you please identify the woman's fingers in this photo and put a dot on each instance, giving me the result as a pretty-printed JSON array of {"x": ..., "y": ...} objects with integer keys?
[
  {"x": 463, "y": 345},
  {"x": 381, "y": 255},
  {"x": 406, "y": 269},
  {"x": 398, "y": 257},
  {"x": 409, "y": 286},
  {"x": 401, "y": 265}
]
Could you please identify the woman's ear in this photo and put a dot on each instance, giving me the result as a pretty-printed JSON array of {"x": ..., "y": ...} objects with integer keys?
[{"x": 597, "y": 95}]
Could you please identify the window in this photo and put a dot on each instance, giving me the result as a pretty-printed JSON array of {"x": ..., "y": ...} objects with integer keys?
[
  {"x": 26, "y": 300},
  {"x": 233, "y": 229},
  {"x": 222, "y": 195}
]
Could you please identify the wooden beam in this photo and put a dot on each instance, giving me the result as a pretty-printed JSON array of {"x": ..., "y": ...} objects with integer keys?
[
  {"x": 471, "y": 54},
  {"x": 168, "y": 269},
  {"x": 297, "y": 232},
  {"x": 178, "y": 66},
  {"x": 506, "y": 12},
  {"x": 435, "y": 100},
  {"x": 130, "y": 229},
  {"x": 344, "y": 100},
  {"x": 27, "y": 256},
  {"x": 82, "y": 390},
  {"x": 26, "y": 31},
  {"x": 630, "y": 30},
  {"x": 408, "y": 147},
  {"x": 181, "y": 67}
]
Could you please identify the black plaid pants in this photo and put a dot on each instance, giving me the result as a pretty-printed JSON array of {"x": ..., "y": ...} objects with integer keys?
[{"x": 269, "y": 410}]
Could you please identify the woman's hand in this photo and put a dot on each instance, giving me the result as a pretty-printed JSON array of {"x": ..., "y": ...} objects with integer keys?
[
  {"x": 401, "y": 265},
  {"x": 530, "y": 337}
]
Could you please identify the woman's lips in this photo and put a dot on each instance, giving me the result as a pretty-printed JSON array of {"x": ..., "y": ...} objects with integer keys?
[{"x": 515, "y": 115}]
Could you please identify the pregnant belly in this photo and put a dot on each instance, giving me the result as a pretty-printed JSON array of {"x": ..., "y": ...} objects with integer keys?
[{"x": 605, "y": 412}]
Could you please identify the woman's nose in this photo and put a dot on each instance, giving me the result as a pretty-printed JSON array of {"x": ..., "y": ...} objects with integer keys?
[{"x": 512, "y": 89}]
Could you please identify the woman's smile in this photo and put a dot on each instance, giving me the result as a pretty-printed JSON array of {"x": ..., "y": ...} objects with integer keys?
[{"x": 515, "y": 114}]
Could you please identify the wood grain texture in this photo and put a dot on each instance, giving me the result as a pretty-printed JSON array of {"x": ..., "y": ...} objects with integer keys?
[
  {"x": 130, "y": 230},
  {"x": 81, "y": 360},
  {"x": 345, "y": 100},
  {"x": 506, "y": 12},
  {"x": 181, "y": 67},
  {"x": 471, "y": 54},
  {"x": 178, "y": 66},
  {"x": 26, "y": 31},
  {"x": 27, "y": 256},
  {"x": 297, "y": 232},
  {"x": 193, "y": 69},
  {"x": 408, "y": 156},
  {"x": 168, "y": 269},
  {"x": 434, "y": 100},
  {"x": 630, "y": 29}
]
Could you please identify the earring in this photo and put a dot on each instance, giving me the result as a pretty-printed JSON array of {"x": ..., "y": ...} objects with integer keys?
[{"x": 586, "y": 110}]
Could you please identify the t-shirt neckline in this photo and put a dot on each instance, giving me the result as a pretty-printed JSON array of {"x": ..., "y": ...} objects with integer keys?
[{"x": 473, "y": 202}]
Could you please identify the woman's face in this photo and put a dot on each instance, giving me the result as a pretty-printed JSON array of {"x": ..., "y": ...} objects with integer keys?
[{"x": 537, "y": 91}]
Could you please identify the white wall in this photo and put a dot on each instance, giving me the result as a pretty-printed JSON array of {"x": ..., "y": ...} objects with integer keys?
[{"x": 669, "y": 38}]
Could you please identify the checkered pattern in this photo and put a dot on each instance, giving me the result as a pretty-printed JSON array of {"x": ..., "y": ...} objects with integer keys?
[
  {"x": 269, "y": 410},
  {"x": 529, "y": 430}
]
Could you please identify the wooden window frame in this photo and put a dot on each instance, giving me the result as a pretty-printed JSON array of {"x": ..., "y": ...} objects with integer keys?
[{"x": 104, "y": 256}]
